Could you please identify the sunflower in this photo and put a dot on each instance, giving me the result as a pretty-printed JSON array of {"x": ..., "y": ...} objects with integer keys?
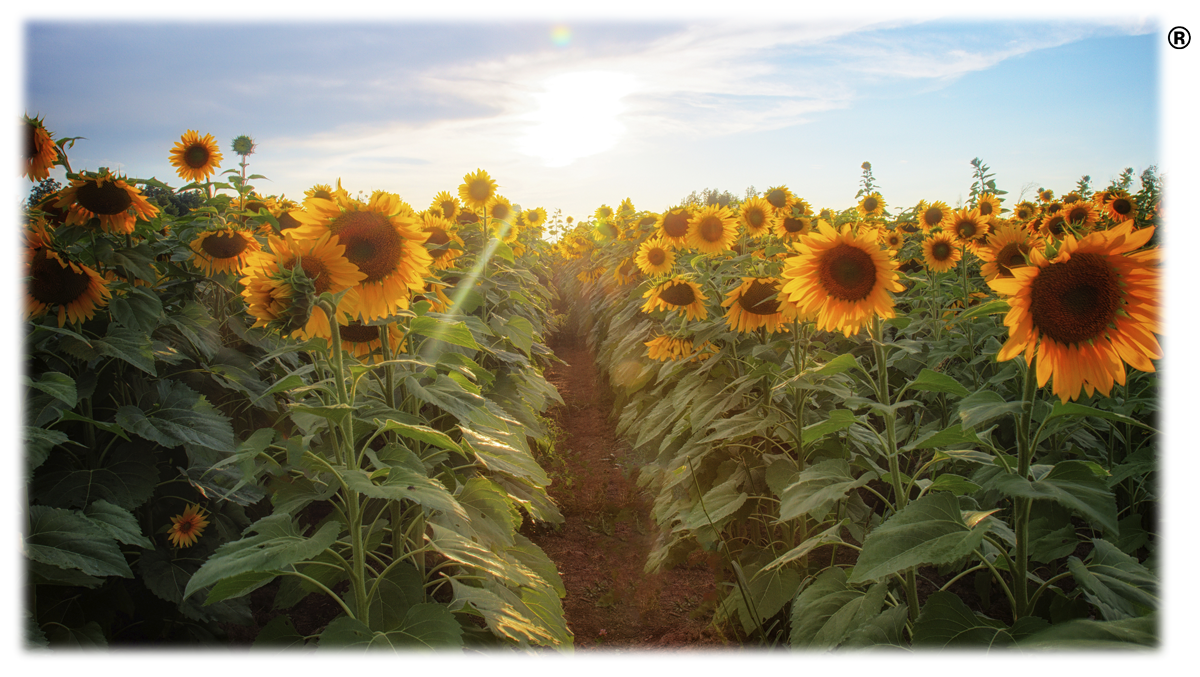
[
  {"x": 655, "y": 257},
  {"x": 840, "y": 278},
  {"x": 501, "y": 209},
  {"x": 968, "y": 227},
  {"x": 243, "y": 145},
  {"x": 362, "y": 340},
  {"x": 1087, "y": 313},
  {"x": 445, "y": 205},
  {"x": 936, "y": 215},
  {"x": 40, "y": 151},
  {"x": 757, "y": 216},
  {"x": 780, "y": 198},
  {"x": 941, "y": 253},
  {"x": 385, "y": 242},
  {"x": 1080, "y": 214},
  {"x": 1045, "y": 195},
  {"x": 196, "y": 157},
  {"x": 58, "y": 284},
  {"x": 892, "y": 239},
  {"x": 673, "y": 225},
  {"x": 988, "y": 206},
  {"x": 1071, "y": 198},
  {"x": 603, "y": 213},
  {"x": 223, "y": 250},
  {"x": 1024, "y": 210},
  {"x": 326, "y": 192},
  {"x": 435, "y": 295},
  {"x": 712, "y": 229},
  {"x": 186, "y": 528},
  {"x": 54, "y": 216},
  {"x": 1121, "y": 207},
  {"x": 626, "y": 206},
  {"x": 1053, "y": 227},
  {"x": 444, "y": 244},
  {"x": 477, "y": 190},
  {"x": 108, "y": 198},
  {"x": 627, "y": 272},
  {"x": 871, "y": 206},
  {"x": 756, "y": 303},
  {"x": 791, "y": 228},
  {"x": 281, "y": 281},
  {"x": 1007, "y": 248},
  {"x": 671, "y": 349},
  {"x": 675, "y": 293},
  {"x": 535, "y": 218}
]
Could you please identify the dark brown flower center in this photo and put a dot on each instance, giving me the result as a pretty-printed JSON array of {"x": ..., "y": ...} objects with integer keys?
[
  {"x": 357, "y": 333},
  {"x": 847, "y": 273},
  {"x": 32, "y": 147},
  {"x": 870, "y": 204},
  {"x": 755, "y": 299},
  {"x": 1076, "y": 300},
  {"x": 437, "y": 237},
  {"x": 196, "y": 155},
  {"x": 480, "y": 190},
  {"x": 314, "y": 268},
  {"x": 501, "y": 211},
  {"x": 755, "y": 218},
  {"x": 286, "y": 221},
  {"x": 1077, "y": 213},
  {"x": 675, "y": 224},
  {"x": 985, "y": 208},
  {"x": 322, "y": 193},
  {"x": 656, "y": 256},
  {"x": 777, "y": 198},
  {"x": 225, "y": 245},
  {"x": 933, "y": 216},
  {"x": 793, "y": 225},
  {"x": 1024, "y": 212},
  {"x": 468, "y": 217},
  {"x": 371, "y": 241},
  {"x": 966, "y": 229},
  {"x": 941, "y": 250},
  {"x": 53, "y": 283},
  {"x": 448, "y": 208},
  {"x": 106, "y": 199},
  {"x": 678, "y": 294},
  {"x": 647, "y": 221},
  {"x": 1054, "y": 225},
  {"x": 1011, "y": 255},
  {"x": 1122, "y": 206},
  {"x": 711, "y": 229}
]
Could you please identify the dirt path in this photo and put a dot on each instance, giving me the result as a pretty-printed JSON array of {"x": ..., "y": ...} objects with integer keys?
[{"x": 601, "y": 549}]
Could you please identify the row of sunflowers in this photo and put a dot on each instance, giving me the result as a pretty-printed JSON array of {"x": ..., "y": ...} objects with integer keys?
[
  {"x": 832, "y": 401},
  {"x": 232, "y": 395}
]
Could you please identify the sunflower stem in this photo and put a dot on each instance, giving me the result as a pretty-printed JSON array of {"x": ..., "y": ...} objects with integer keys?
[
  {"x": 1022, "y": 505},
  {"x": 799, "y": 357}
]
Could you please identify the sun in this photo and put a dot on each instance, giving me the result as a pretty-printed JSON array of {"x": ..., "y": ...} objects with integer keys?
[{"x": 577, "y": 116}]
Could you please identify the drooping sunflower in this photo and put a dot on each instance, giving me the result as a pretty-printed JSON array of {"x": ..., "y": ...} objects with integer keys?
[
  {"x": 477, "y": 190},
  {"x": 678, "y": 293},
  {"x": 59, "y": 285},
  {"x": 780, "y": 198},
  {"x": 108, "y": 198},
  {"x": 444, "y": 244},
  {"x": 936, "y": 215},
  {"x": 1071, "y": 198},
  {"x": 988, "y": 206},
  {"x": 627, "y": 272},
  {"x": 655, "y": 257},
  {"x": 712, "y": 229},
  {"x": 941, "y": 253},
  {"x": 1121, "y": 207},
  {"x": 1024, "y": 210},
  {"x": 603, "y": 213},
  {"x": 278, "y": 277},
  {"x": 841, "y": 278},
  {"x": 626, "y": 206},
  {"x": 757, "y": 216},
  {"x": 325, "y": 192},
  {"x": 186, "y": 528},
  {"x": 1053, "y": 208},
  {"x": 1087, "y": 313},
  {"x": 968, "y": 227},
  {"x": 385, "y": 241},
  {"x": 673, "y": 225},
  {"x": 196, "y": 157},
  {"x": 435, "y": 295},
  {"x": 674, "y": 349},
  {"x": 756, "y": 303},
  {"x": 40, "y": 151},
  {"x": 222, "y": 250},
  {"x": 871, "y": 206},
  {"x": 1007, "y": 248}
]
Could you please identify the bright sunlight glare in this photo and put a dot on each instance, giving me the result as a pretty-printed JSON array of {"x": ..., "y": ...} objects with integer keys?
[{"x": 577, "y": 116}]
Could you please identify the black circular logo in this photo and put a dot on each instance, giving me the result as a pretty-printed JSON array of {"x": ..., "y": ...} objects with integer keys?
[{"x": 1179, "y": 37}]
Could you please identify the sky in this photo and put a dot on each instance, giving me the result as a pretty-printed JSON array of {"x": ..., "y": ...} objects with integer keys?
[{"x": 575, "y": 113}]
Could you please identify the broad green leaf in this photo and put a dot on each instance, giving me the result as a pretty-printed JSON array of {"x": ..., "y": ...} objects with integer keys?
[
  {"x": 48, "y": 574},
  {"x": 815, "y": 490},
  {"x": 117, "y": 522},
  {"x": 1116, "y": 583},
  {"x": 180, "y": 416},
  {"x": 279, "y": 633},
  {"x": 955, "y": 484},
  {"x": 67, "y": 539},
  {"x": 39, "y": 442},
  {"x": 336, "y": 414},
  {"x": 420, "y": 433},
  {"x": 1076, "y": 409},
  {"x": 930, "y": 530},
  {"x": 717, "y": 504},
  {"x": 455, "y": 333},
  {"x": 519, "y": 331},
  {"x": 90, "y": 636},
  {"x": 947, "y": 622},
  {"x": 769, "y": 591},
  {"x": 131, "y": 345},
  {"x": 1086, "y": 634},
  {"x": 952, "y": 436},
  {"x": 934, "y": 382},
  {"x": 535, "y": 559},
  {"x": 57, "y": 385},
  {"x": 504, "y": 613},
  {"x": 400, "y": 484},
  {"x": 492, "y": 517},
  {"x": 127, "y": 478},
  {"x": 276, "y": 544},
  {"x": 990, "y": 308},
  {"x": 239, "y": 585},
  {"x": 28, "y": 640},
  {"x": 137, "y": 309},
  {"x": 138, "y": 260},
  {"x": 401, "y": 588},
  {"x": 838, "y": 419},
  {"x": 830, "y": 536},
  {"x": 1071, "y": 484},
  {"x": 829, "y": 609},
  {"x": 460, "y": 549},
  {"x": 983, "y": 406},
  {"x": 429, "y": 633}
]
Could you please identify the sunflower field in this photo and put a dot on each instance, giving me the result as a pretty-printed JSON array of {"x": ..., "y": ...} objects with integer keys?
[{"x": 934, "y": 428}]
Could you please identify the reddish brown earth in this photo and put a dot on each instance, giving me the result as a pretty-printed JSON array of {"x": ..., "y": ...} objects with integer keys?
[{"x": 601, "y": 548}]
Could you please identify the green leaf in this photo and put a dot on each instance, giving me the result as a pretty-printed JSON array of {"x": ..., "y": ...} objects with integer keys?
[
  {"x": 28, "y": 640},
  {"x": 990, "y": 308},
  {"x": 506, "y": 614},
  {"x": 137, "y": 309},
  {"x": 180, "y": 416},
  {"x": 401, "y": 588},
  {"x": 1076, "y": 409},
  {"x": 946, "y": 621},
  {"x": 57, "y": 385},
  {"x": 830, "y": 536},
  {"x": 429, "y": 633},
  {"x": 1116, "y": 583},
  {"x": 336, "y": 414},
  {"x": 935, "y": 382},
  {"x": 239, "y": 585},
  {"x": 67, "y": 539},
  {"x": 420, "y": 433},
  {"x": 1085, "y": 634},
  {"x": 838, "y": 419},
  {"x": 131, "y": 345},
  {"x": 769, "y": 590},
  {"x": 39, "y": 442},
  {"x": 117, "y": 522},
  {"x": 930, "y": 530},
  {"x": 983, "y": 406},
  {"x": 829, "y": 609},
  {"x": 127, "y": 478},
  {"x": 276, "y": 544},
  {"x": 455, "y": 333},
  {"x": 520, "y": 331},
  {"x": 280, "y": 632},
  {"x": 400, "y": 484},
  {"x": 815, "y": 490},
  {"x": 1071, "y": 484},
  {"x": 457, "y": 547},
  {"x": 90, "y": 636},
  {"x": 955, "y": 484}
]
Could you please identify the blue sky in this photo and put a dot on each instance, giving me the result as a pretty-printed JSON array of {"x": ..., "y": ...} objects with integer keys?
[{"x": 573, "y": 113}]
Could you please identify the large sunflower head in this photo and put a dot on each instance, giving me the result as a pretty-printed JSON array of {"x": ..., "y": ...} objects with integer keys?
[
  {"x": 59, "y": 285},
  {"x": 941, "y": 252},
  {"x": 678, "y": 293},
  {"x": 842, "y": 278},
  {"x": 757, "y": 216},
  {"x": 989, "y": 206},
  {"x": 1087, "y": 313},
  {"x": 1121, "y": 207},
  {"x": 40, "y": 150},
  {"x": 780, "y": 198},
  {"x": 655, "y": 257},
  {"x": 673, "y": 225},
  {"x": 935, "y": 216},
  {"x": 222, "y": 250},
  {"x": 968, "y": 227},
  {"x": 712, "y": 229},
  {"x": 1007, "y": 248},
  {"x": 477, "y": 190},
  {"x": 871, "y": 206},
  {"x": 106, "y": 197},
  {"x": 196, "y": 157},
  {"x": 755, "y": 303}
]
